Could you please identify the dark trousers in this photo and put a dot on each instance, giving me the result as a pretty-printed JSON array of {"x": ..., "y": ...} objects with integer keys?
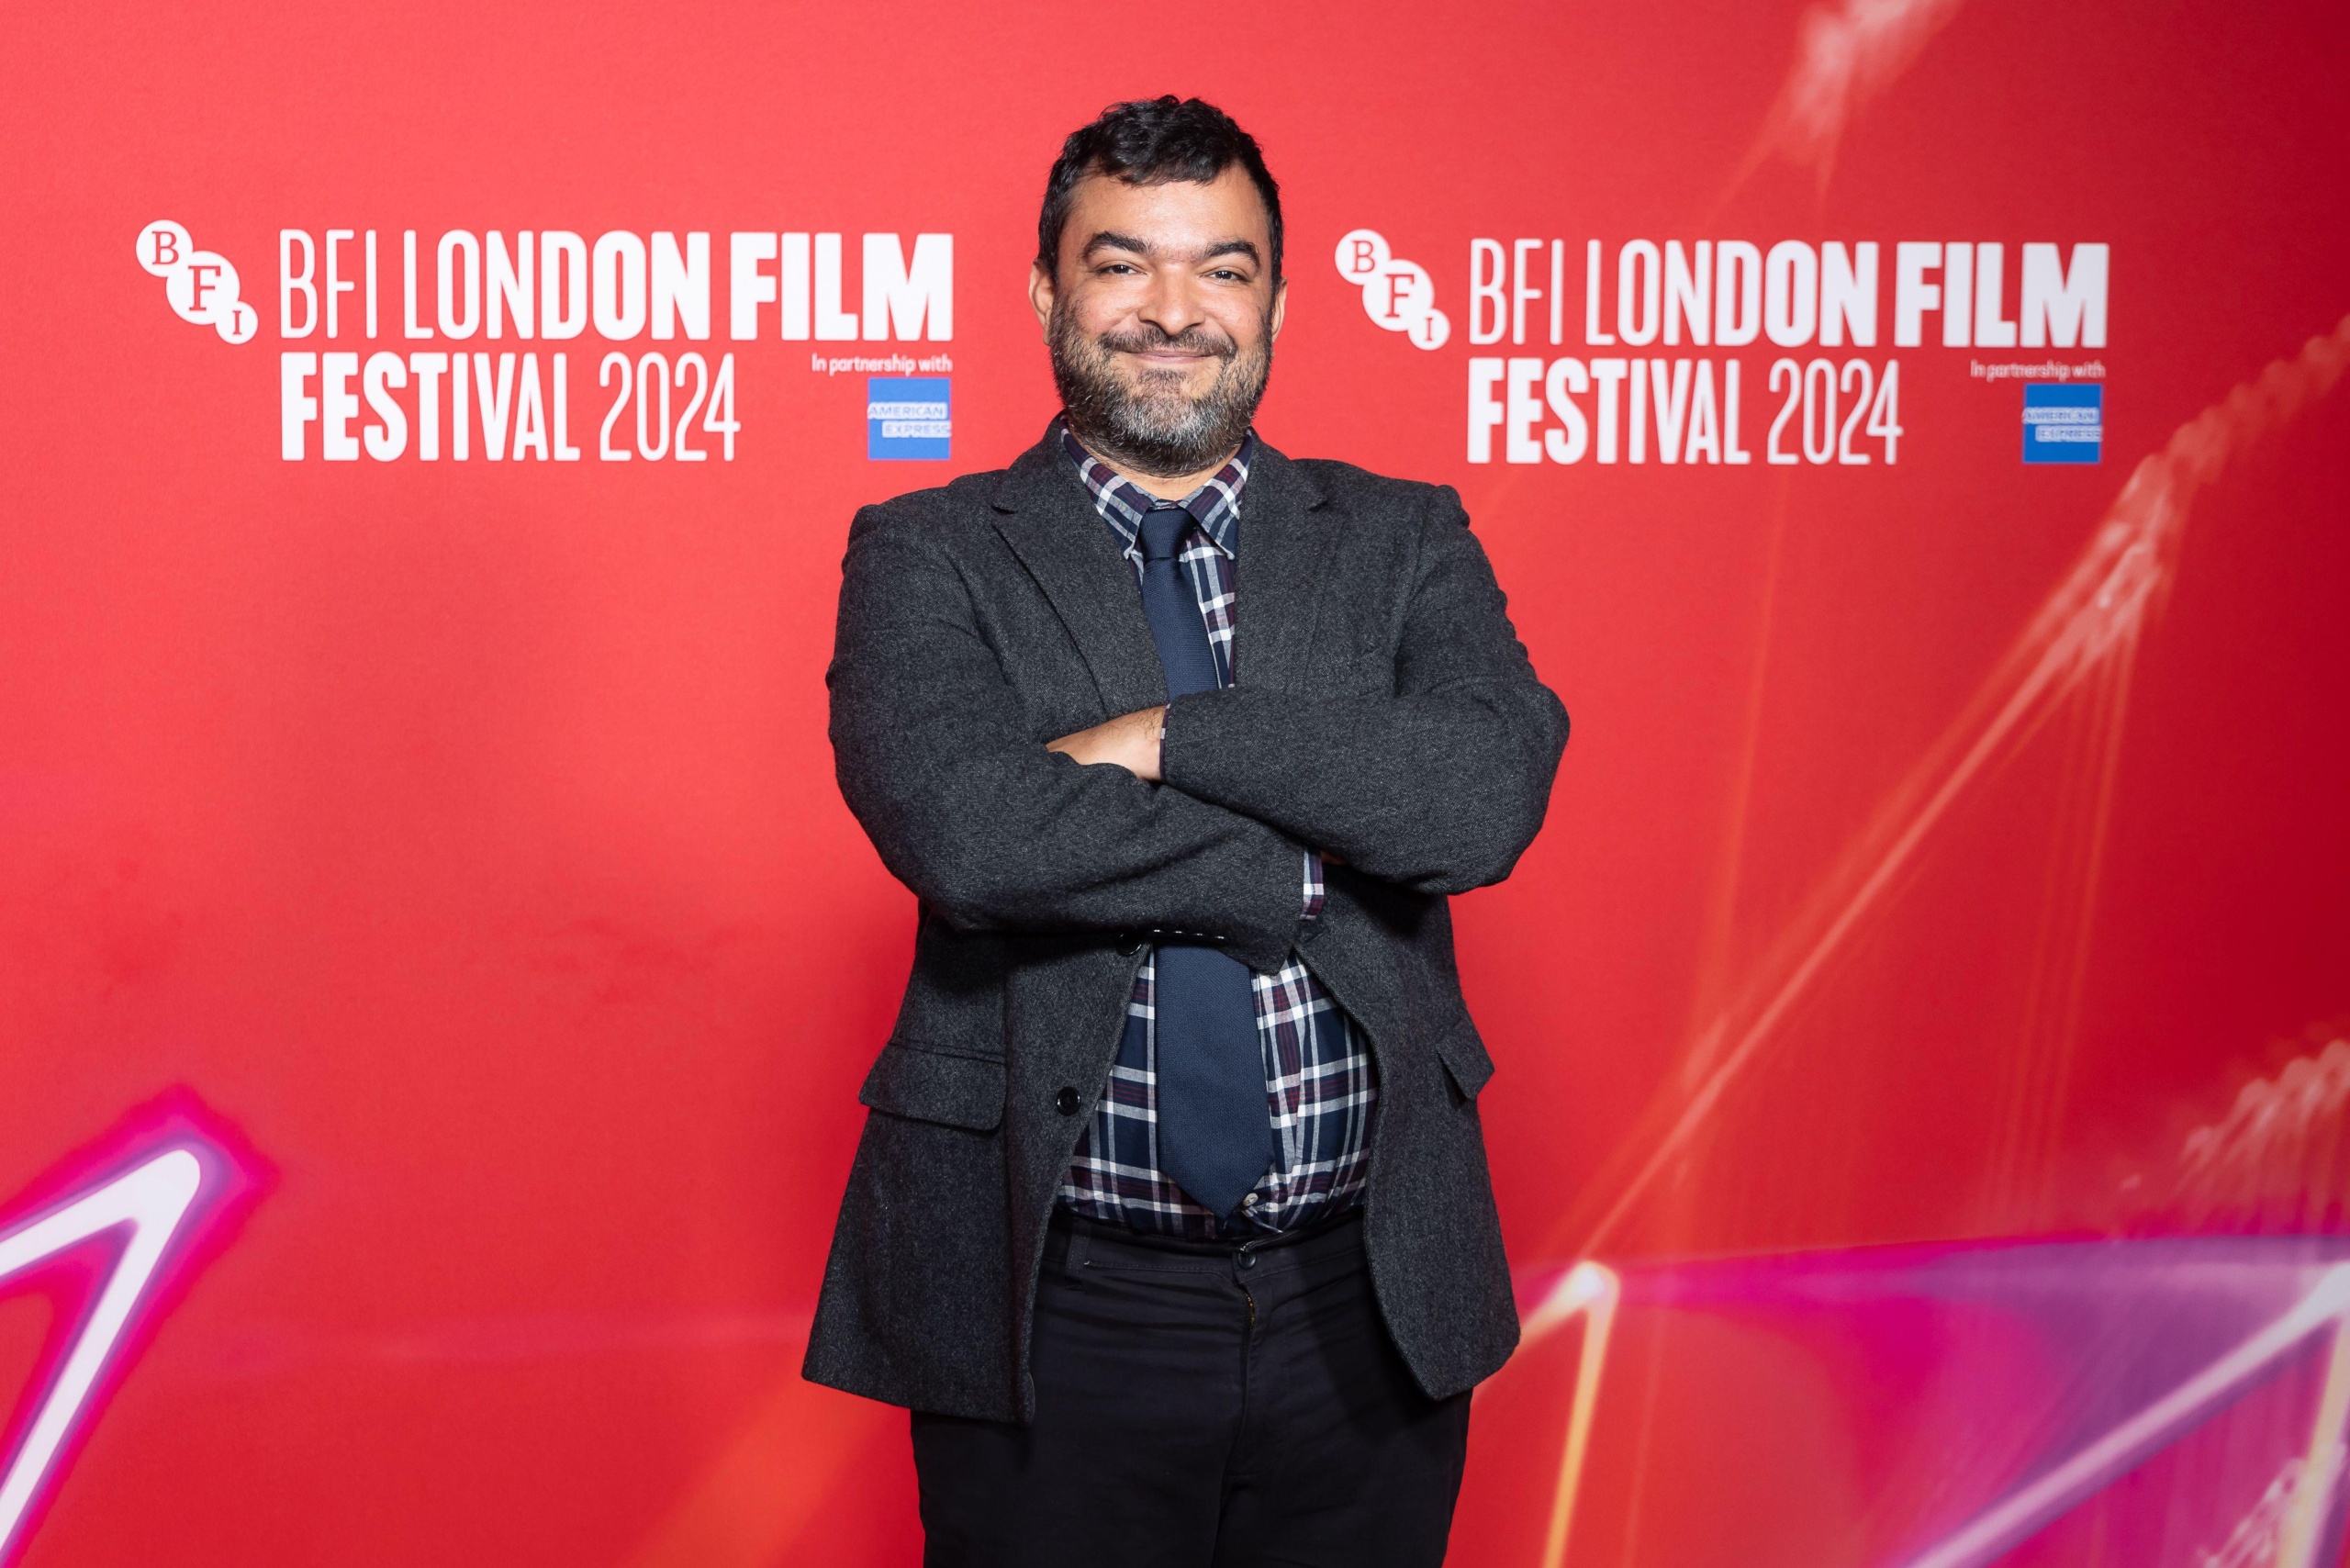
[{"x": 1200, "y": 1407}]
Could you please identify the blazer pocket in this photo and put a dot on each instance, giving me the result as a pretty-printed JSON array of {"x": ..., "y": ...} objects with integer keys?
[
  {"x": 1464, "y": 1059},
  {"x": 933, "y": 1086}
]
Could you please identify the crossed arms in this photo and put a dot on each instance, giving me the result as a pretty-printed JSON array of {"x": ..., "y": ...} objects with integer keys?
[{"x": 1437, "y": 788}]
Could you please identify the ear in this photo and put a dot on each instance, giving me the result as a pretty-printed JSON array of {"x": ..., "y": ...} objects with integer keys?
[
  {"x": 1040, "y": 296},
  {"x": 1281, "y": 310}
]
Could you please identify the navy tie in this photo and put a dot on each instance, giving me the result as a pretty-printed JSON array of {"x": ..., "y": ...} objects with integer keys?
[{"x": 1215, "y": 1136}]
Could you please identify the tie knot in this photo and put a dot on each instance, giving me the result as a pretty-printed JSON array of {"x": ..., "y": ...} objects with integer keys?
[{"x": 1162, "y": 531}]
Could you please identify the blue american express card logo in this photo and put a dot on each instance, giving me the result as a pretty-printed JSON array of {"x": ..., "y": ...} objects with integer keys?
[
  {"x": 908, "y": 416},
  {"x": 2064, "y": 423}
]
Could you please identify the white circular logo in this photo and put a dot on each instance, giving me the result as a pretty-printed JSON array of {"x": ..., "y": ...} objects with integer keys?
[
  {"x": 1397, "y": 294},
  {"x": 201, "y": 285},
  {"x": 1361, "y": 254}
]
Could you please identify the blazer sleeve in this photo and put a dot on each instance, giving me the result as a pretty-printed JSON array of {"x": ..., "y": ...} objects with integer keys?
[
  {"x": 1439, "y": 787},
  {"x": 988, "y": 827}
]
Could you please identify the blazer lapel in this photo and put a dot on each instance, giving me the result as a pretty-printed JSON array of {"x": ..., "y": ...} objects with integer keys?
[
  {"x": 1044, "y": 515},
  {"x": 1287, "y": 536}
]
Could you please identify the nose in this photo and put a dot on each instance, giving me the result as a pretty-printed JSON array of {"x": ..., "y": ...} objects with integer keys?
[{"x": 1170, "y": 305}]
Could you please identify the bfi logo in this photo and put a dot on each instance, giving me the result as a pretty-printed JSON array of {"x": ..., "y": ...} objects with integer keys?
[
  {"x": 201, "y": 285},
  {"x": 1397, "y": 294}
]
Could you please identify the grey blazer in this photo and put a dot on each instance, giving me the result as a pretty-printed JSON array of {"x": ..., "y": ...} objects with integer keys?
[{"x": 1384, "y": 713}]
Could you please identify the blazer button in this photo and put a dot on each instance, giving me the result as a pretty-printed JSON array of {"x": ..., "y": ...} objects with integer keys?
[{"x": 1066, "y": 1101}]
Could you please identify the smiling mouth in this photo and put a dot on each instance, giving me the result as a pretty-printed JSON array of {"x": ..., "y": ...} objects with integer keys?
[{"x": 1168, "y": 366}]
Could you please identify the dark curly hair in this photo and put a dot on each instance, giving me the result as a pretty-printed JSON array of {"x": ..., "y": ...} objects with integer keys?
[{"x": 1152, "y": 141}]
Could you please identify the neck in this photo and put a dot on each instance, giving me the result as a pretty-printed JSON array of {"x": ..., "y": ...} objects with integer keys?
[{"x": 1165, "y": 487}]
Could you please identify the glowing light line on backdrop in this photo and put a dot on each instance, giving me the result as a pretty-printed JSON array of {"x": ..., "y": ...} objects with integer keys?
[
  {"x": 161, "y": 1200},
  {"x": 1590, "y": 1291},
  {"x": 1845, "y": 55},
  {"x": 2087, "y": 625},
  {"x": 2286, "y": 1529},
  {"x": 2253, "y": 1542},
  {"x": 152, "y": 1199},
  {"x": 2023, "y": 1512},
  {"x": 2274, "y": 1161}
]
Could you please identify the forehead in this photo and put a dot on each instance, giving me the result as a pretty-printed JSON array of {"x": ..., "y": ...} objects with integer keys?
[{"x": 1176, "y": 216}]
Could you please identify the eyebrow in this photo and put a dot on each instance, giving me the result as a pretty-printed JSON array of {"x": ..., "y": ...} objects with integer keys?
[{"x": 1107, "y": 239}]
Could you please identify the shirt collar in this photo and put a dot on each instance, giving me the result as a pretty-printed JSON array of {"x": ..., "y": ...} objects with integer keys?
[{"x": 1215, "y": 505}]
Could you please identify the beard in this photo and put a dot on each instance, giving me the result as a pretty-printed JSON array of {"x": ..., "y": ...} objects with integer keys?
[{"x": 1153, "y": 427}]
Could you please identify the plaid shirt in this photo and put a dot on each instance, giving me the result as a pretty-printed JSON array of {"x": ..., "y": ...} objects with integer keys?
[{"x": 1319, "y": 1086}]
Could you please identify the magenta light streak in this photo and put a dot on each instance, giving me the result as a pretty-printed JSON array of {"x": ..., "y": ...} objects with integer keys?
[
  {"x": 165, "y": 1189},
  {"x": 2034, "y": 1373}
]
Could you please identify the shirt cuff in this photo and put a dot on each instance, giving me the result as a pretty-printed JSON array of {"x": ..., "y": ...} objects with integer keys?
[{"x": 1314, "y": 891}]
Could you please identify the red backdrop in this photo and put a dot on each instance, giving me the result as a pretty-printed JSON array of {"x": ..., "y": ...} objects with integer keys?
[{"x": 1947, "y": 841}]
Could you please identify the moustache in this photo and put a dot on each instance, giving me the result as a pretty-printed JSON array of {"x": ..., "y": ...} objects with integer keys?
[{"x": 1149, "y": 339}]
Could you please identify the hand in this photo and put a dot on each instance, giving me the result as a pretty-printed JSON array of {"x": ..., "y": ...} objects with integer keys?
[{"x": 1130, "y": 741}]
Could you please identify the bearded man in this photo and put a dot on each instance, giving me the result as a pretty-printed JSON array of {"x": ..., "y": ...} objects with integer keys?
[{"x": 1171, "y": 1222}]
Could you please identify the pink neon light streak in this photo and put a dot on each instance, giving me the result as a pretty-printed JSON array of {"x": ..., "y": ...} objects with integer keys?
[{"x": 168, "y": 1189}]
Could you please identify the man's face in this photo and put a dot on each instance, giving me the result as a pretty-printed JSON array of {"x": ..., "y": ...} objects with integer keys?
[{"x": 1161, "y": 317}]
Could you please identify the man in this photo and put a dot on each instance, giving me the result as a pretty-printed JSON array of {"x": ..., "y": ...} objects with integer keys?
[{"x": 1172, "y": 1222}]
